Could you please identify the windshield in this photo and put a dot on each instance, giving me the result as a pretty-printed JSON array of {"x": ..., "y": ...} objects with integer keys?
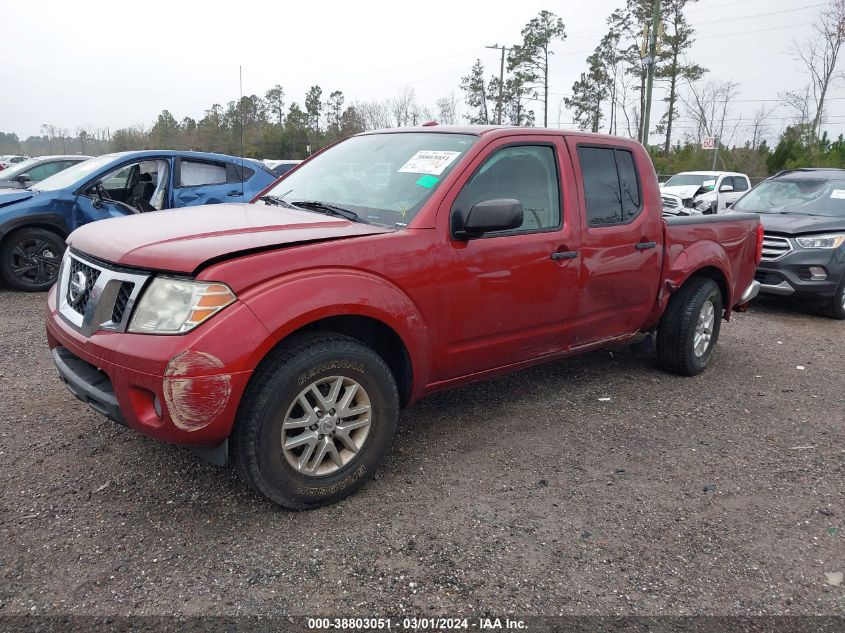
[
  {"x": 808, "y": 196},
  {"x": 74, "y": 174},
  {"x": 384, "y": 178},
  {"x": 686, "y": 180}
]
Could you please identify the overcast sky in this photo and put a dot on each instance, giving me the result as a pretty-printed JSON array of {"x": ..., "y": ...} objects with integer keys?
[{"x": 117, "y": 64}]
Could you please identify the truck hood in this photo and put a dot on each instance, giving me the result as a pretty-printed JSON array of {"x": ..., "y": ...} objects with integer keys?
[
  {"x": 795, "y": 224},
  {"x": 182, "y": 240},
  {"x": 8, "y": 196},
  {"x": 685, "y": 192}
]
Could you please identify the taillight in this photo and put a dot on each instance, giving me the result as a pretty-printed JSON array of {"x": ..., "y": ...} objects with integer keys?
[{"x": 759, "y": 243}]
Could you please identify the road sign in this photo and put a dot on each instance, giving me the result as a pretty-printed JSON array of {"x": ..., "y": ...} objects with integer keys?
[{"x": 709, "y": 143}]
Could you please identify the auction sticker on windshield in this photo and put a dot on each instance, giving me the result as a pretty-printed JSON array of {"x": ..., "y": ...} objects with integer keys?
[
  {"x": 430, "y": 162},
  {"x": 838, "y": 194}
]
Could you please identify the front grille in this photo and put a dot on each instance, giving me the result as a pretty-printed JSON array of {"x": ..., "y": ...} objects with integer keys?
[
  {"x": 775, "y": 247},
  {"x": 121, "y": 301},
  {"x": 105, "y": 298},
  {"x": 90, "y": 275},
  {"x": 670, "y": 203}
]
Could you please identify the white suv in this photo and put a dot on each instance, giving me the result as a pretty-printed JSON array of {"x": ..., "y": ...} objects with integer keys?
[{"x": 709, "y": 191}]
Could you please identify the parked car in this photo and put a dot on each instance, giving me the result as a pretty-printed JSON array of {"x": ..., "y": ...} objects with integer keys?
[
  {"x": 35, "y": 221},
  {"x": 7, "y": 160},
  {"x": 280, "y": 167},
  {"x": 287, "y": 333},
  {"x": 33, "y": 170},
  {"x": 803, "y": 213},
  {"x": 708, "y": 191}
]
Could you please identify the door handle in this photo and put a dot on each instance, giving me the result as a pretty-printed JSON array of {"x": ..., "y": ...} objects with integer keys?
[
  {"x": 564, "y": 255},
  {"x": 645, "y": 245},
  {"x": 234, "y": 192}
]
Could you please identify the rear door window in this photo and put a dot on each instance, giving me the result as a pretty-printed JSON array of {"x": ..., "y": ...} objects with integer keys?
[
  {"x": 611, "y": 185},
  {"x": 197, "y": 173}
]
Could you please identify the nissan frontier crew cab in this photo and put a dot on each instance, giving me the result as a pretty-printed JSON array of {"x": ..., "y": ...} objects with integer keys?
[{"x": 286, "y": 334}]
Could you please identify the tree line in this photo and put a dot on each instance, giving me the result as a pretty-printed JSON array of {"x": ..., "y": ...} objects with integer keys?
[{"x": 609, "y": 96}]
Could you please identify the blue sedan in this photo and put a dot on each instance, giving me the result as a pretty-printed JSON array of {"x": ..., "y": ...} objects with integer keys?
[{"x": 34, "y": 222}]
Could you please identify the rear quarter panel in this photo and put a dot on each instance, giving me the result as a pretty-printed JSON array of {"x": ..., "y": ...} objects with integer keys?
[{"x": 727, "y": 243}]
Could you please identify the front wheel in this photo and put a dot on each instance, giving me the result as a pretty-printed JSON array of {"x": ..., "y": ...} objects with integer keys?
[
  {"x": 30, "y": 259},
  {"x": 316, "y": 421},
  {"x": 689, "y": 329}
]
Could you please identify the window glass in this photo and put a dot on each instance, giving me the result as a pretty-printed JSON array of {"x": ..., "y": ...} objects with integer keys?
[
  {"x": 601, "y": 185},
  {"x": 629, "y": 184},
  {"x": 194, "y": 174},
  {"x": 385, "y": 178},
  {"x": 44, "y": 170},
  {"x": 796, "y": 195},
  {"x": 118, "y": 179},
  {"x": 740, "y": 183},
  {"x": 525, "y": 173}
]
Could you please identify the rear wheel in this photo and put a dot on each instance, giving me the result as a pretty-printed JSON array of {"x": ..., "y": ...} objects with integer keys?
[
  {"x": 30, "y": 259},
  {"x": 689, "y": 329},
  {"x": 316, "y": 421},
  {"x": 835, "y": 309}
]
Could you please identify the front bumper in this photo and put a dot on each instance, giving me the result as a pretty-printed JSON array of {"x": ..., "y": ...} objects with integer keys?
[
  {"x": 790, "y": 275},
  {"x": 180, "y": 389}
]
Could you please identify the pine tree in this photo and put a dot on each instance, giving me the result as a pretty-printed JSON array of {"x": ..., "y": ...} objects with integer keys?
[
  {"x": 476, "y": 93},
  {"x": 531, "y": 58},
  {"x": 677, "y": 40}
]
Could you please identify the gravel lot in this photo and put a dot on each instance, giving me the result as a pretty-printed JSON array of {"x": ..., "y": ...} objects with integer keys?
[{"x": 722, "y": 494}]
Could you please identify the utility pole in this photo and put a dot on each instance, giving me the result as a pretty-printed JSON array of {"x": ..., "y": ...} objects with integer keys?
[
  {"x": 501, "y": 81},
  {"x": 650, "y": 61},
  {"x": 715, "y": 153}
]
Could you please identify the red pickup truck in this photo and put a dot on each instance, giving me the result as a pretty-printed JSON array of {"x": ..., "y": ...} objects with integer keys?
[{"x": 285, "y": 335}]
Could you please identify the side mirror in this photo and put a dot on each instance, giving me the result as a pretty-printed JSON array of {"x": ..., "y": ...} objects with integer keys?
[
  {"x": 22, "y": 178},
  {"x": 726, "y": 188},
  {"x": 488, "y": 216}
]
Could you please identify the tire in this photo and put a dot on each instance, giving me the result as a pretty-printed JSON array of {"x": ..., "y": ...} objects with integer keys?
[
  {"x": 678, "y": 333},
  {"x": 835, "y": 308},
  {"x": 273, "y": 397},
  {"x": 30, "y": 259}
]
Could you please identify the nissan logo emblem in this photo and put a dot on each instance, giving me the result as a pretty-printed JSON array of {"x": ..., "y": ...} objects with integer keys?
[{"x": 77, "y": 287}]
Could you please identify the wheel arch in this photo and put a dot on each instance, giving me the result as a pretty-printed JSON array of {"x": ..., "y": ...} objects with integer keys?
[
  {"x": 376, "y": 335},
  {"x": 48, "y": 221},
  {"x": 717, "y": 275}
]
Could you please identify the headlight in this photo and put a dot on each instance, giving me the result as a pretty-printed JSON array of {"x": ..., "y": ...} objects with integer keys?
[
  {"x": 832, "y": 240},
  {"x": 174, "y": 306}
]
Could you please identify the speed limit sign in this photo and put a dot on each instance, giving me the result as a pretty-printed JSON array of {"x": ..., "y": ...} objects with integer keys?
[{"x": 709, "y": 143}]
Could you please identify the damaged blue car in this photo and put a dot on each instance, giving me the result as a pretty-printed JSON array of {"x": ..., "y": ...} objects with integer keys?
[{"x": 34, "y": 222}]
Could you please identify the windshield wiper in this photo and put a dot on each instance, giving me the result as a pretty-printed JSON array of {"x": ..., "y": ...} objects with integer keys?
[
  {"x": 276, "y": 201},
  {"x": 329, "y": 209}
]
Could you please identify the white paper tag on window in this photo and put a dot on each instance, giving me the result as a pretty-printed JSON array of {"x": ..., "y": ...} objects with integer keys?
[
  {"x": 708, "y": 183},
  {"x": 429, "y": 162},
  {"x": 838, "y": 194}
]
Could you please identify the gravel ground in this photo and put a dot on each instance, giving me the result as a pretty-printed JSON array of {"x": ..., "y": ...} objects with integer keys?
[{"x": 721, "y": 494}]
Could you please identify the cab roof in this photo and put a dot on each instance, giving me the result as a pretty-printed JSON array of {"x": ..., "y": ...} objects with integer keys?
[{"x": 485, "y": 130}]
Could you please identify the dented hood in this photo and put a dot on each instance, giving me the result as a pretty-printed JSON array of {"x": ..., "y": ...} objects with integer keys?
[
  {"x": 181, "y": 240},
  {"x": 684, "y": 192},
  {"x": 8, "y": 196}
]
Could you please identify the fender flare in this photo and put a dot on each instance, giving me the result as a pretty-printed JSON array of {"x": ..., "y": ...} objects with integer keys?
[
  {"x": 51, "y": 220},
  {"x": 694, "y": 259},
  {"x": 288, "y": 304}
]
